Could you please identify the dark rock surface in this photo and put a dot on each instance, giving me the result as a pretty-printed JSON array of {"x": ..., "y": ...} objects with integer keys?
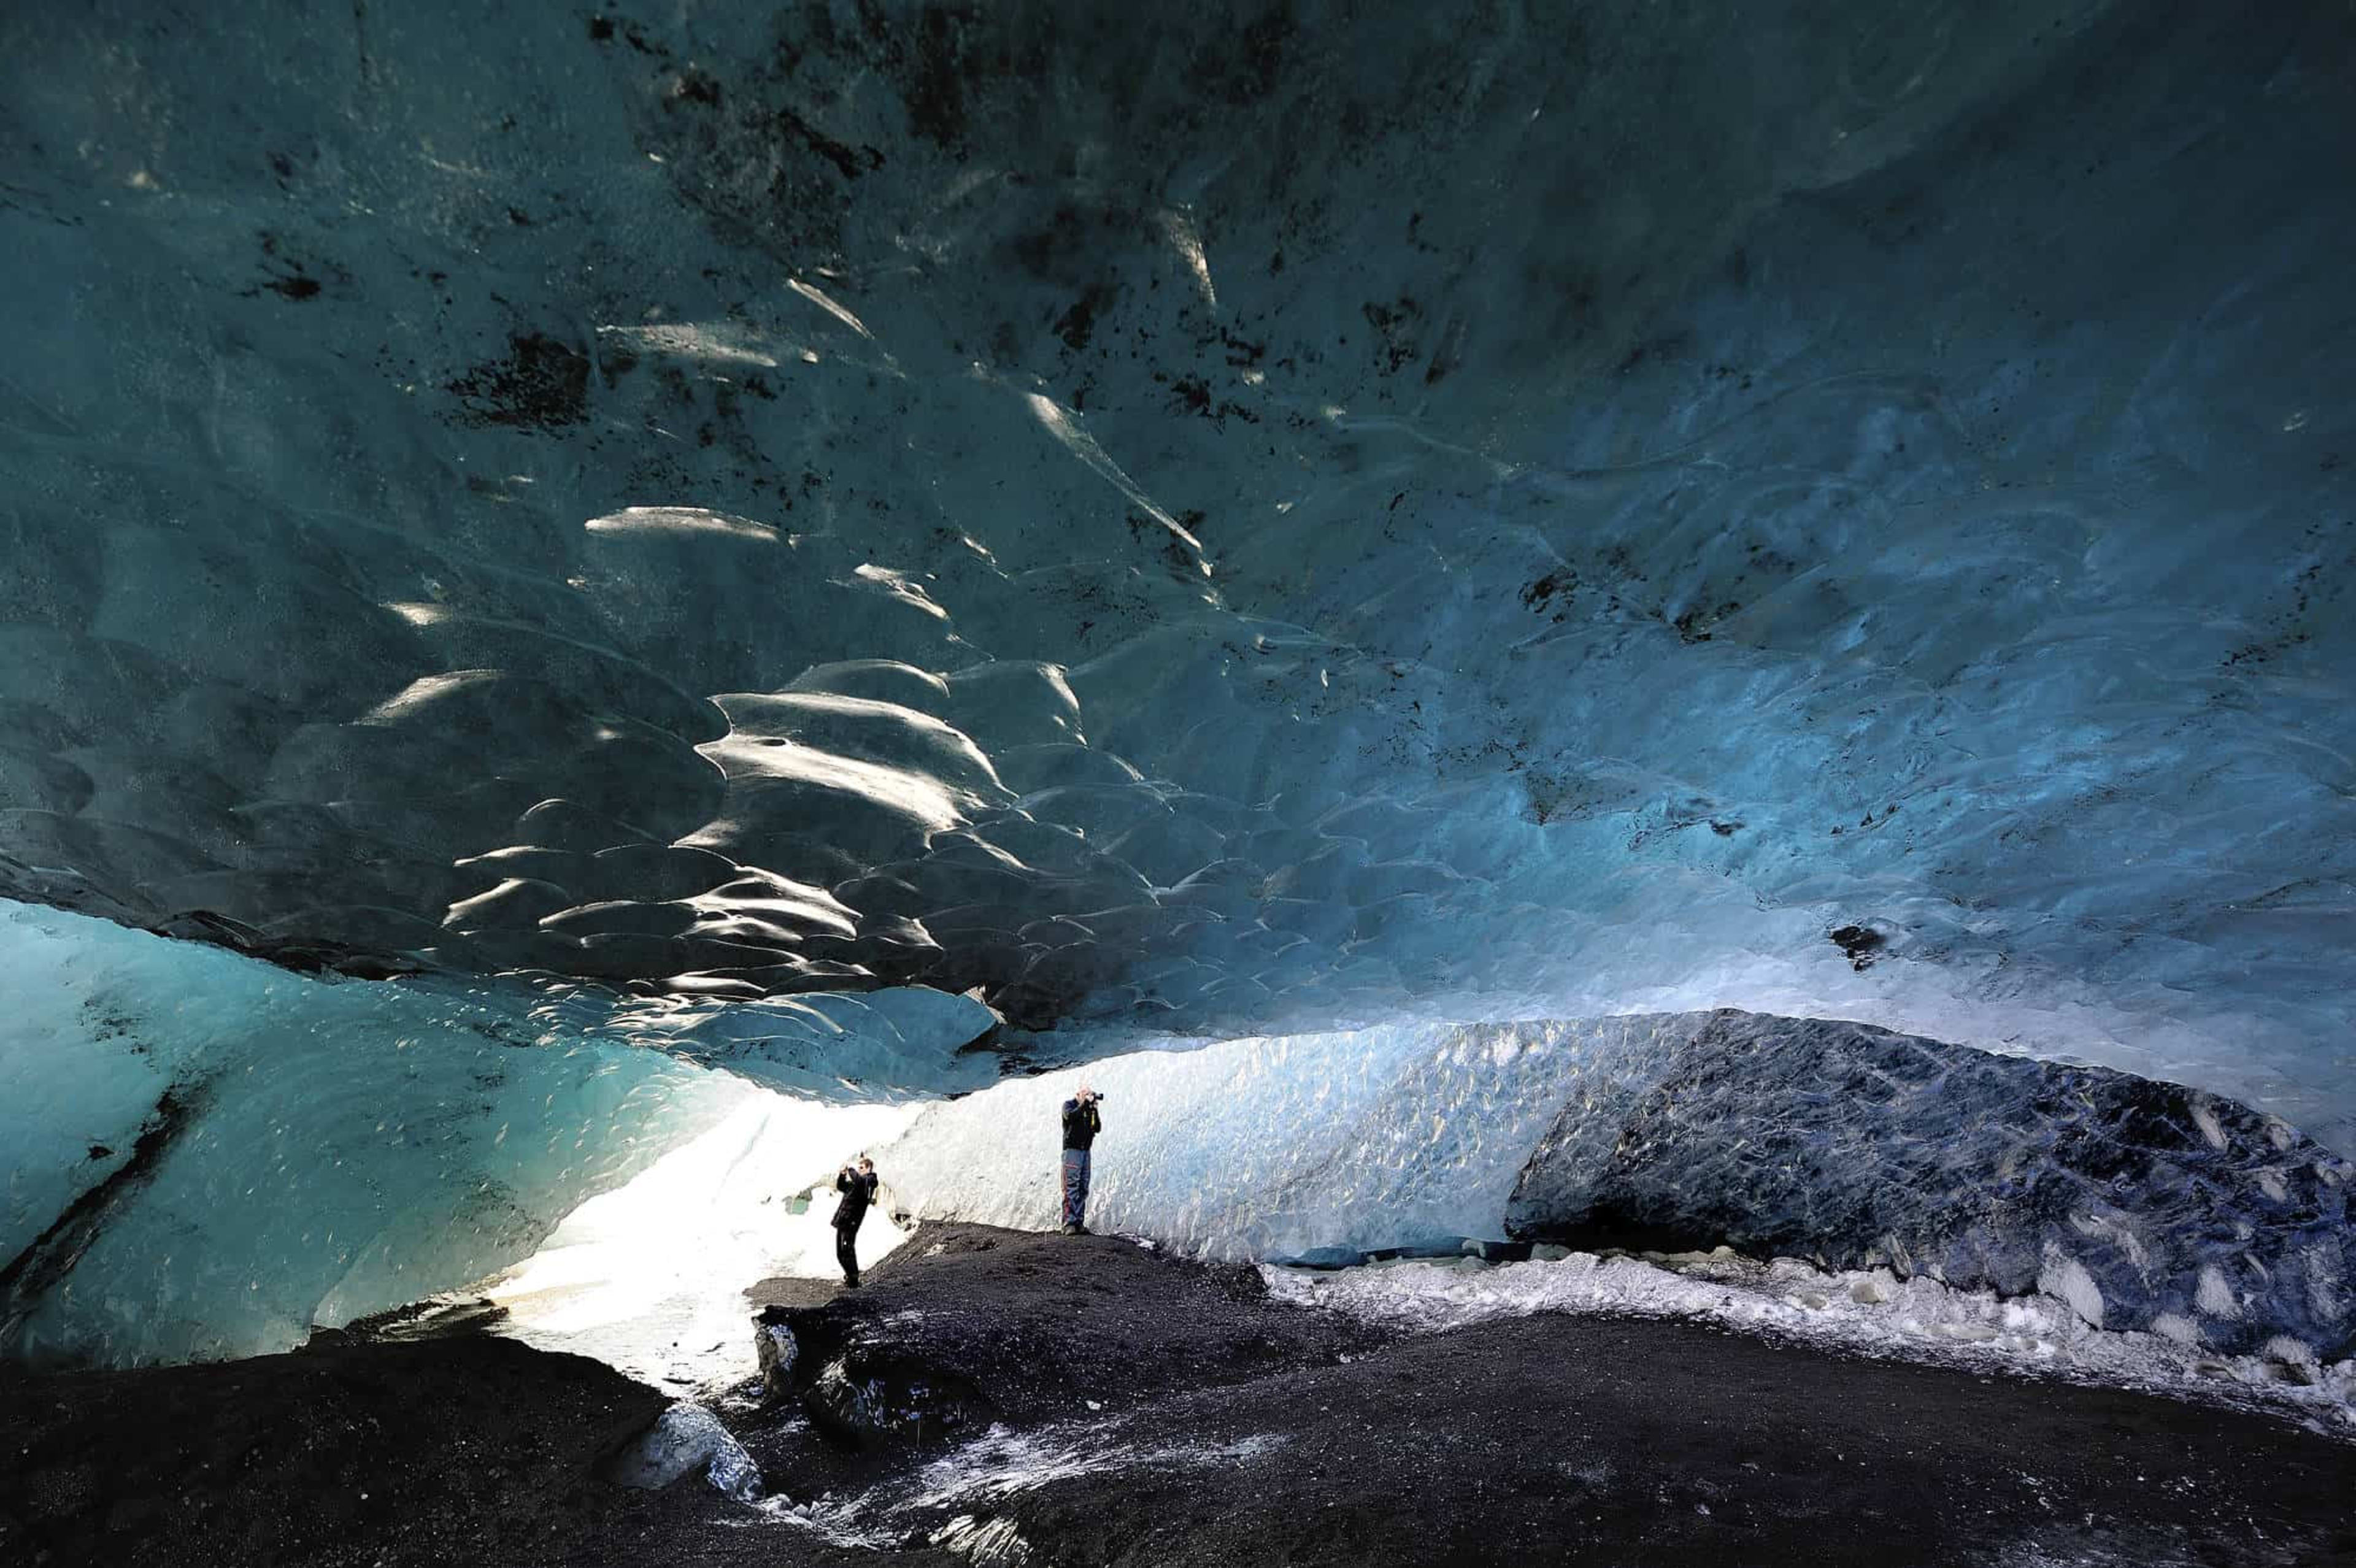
[
  {"x": 1560, "y": 1440},
  {"x": 1150, "y": 1413},
  {"x": 450, "y": 1449},
  {"x": 969, "y": 1325}
]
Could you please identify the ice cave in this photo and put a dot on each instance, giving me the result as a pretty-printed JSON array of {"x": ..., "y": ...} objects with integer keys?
[{"x": 1617, "y": 667}]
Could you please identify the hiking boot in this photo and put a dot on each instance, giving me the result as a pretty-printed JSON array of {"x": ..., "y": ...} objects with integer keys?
[{"x": 1070, "y": 1230}]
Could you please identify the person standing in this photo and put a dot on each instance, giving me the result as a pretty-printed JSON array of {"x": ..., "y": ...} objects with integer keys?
[
  {"x": 858, "y": 1188},
  {"x": 1081, "y": 1125}
]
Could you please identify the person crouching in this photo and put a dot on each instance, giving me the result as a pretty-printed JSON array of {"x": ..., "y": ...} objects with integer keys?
[
  {"x": 1081, "y": 1125},
  {"x": 858, "y": 1188}
]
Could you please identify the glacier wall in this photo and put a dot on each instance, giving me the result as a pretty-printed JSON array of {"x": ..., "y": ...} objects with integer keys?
[
  {"x": 789, "y": 536},
  {"x": 206, "y": 1156},
  {"x": 2135, "y": 1205},
  {"x": 1265, "y": 1146}
]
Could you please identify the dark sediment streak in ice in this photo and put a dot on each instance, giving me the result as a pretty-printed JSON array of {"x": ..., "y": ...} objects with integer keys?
[{"x": 2143, "y": 1204}]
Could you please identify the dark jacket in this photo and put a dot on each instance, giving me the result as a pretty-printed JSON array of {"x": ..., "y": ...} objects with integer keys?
[
  {"x": 858, "y": 1192},
  {"x": 1081, "y": 1124}
]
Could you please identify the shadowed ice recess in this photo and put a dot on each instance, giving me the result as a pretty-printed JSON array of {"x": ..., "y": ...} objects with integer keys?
[{"x": 856, "y": 547}]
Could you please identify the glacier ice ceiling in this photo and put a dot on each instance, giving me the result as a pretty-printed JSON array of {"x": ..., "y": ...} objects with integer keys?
[{"x": 1278, "y": 518}]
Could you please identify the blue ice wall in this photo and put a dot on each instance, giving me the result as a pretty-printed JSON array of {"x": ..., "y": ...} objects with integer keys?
[{"x": 206, "y": 1155}]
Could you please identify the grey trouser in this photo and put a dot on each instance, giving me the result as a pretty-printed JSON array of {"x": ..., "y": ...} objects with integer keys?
[{"x": 1075, "y": 1186}]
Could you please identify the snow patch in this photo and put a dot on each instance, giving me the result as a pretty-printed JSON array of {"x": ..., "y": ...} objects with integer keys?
[{"x": 1870, "y": 1314}]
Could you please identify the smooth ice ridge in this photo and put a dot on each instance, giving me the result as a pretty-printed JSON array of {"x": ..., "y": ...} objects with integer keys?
[
  {"x": 1870, "y": 1312},
  {"x": 1273, "y": 520},
  {"x": 208, "y": 1156},
  {"x": 2137, "y": 1204}
]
